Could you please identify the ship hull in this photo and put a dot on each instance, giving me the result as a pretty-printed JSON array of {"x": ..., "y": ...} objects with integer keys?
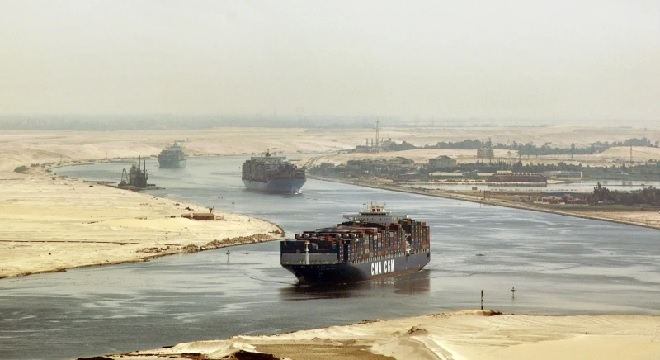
[
  {"x": 339, "y": 273},
  {"x": 281, "y": 186},
  {"x": 171, "y": 163}
]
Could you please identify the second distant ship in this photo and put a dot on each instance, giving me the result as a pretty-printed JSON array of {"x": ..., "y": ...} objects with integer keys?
[
  {"x": 172, "y": 157},
  {"x": 273, "y": 174}
]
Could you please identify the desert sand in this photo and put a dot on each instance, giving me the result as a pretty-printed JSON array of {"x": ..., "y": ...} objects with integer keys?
[
  {"x": 457, "y": 335},
  {"x": 51, "y": 223}
]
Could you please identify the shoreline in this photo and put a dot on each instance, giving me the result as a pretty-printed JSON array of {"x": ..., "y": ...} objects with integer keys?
[
  {"x": 651, "y": 224},
  {"x": 243, "y": 240},
  {"x": 50, "y": 223}
]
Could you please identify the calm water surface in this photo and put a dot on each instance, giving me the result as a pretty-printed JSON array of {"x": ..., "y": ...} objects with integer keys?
[{"x": 558, "y": 265}]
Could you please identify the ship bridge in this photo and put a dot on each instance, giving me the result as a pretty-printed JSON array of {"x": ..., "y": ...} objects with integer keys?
[{"x": 375, "y": 214}]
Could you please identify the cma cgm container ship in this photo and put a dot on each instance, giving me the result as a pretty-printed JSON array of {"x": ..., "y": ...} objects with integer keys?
[
  {"x": 272, "y": 174},
  {"x": 372, "y": 244}
]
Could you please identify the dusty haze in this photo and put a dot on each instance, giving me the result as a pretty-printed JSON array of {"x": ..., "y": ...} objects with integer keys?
[{"x": 559, "y": 62}]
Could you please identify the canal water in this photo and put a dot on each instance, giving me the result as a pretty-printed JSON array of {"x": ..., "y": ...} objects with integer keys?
[{"x": 557, "y": 264}]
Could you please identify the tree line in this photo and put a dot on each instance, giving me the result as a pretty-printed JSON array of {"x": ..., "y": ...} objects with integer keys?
[
  {"x": 648, "y": 195},
  {"x": 545, "y": 149}
]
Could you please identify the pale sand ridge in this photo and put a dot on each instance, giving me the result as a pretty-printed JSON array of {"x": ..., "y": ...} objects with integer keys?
[{"x": 448, "y": 336}]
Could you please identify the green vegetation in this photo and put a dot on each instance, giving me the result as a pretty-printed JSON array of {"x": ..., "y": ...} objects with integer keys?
[
  {"x": 530, "y": 148},
  {"x": 21, "y": 169},
  {"x": 400, "y": 168},
  {"x": 649, "y": 195}
]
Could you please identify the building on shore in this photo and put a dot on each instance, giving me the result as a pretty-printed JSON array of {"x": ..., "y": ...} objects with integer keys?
[
  {"x": 507, "y": 178},
  {"x": 441, "y": 162},
  {"x": 561, "y": 175}
]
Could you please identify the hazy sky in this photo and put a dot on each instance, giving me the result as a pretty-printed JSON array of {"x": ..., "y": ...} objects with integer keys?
[{"x": 540, "y": 60}]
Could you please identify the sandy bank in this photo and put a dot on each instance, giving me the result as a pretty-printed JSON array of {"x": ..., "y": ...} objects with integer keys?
[
  {"x": 456, "y": 335},
  {"x": 49, "y": 223}
]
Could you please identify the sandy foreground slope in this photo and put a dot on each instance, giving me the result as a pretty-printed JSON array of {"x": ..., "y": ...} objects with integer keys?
[
  {"x": 50, "y": 223},
  {"x": 458, "y": 335}
]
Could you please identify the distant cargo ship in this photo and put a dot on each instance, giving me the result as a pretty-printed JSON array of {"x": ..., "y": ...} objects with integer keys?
[
  {"x": 172, "y": 157},
  {"x": 372, "y": 244},
  {"x": 273, "y": 174}
]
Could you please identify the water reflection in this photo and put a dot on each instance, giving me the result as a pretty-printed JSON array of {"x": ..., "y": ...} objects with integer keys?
[
  {"x": 413, "y": 284},
  {"x": 409, "y": 284}
]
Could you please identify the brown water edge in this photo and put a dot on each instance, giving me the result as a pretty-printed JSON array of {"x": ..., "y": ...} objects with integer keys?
[{"x": 155, "y": 253}]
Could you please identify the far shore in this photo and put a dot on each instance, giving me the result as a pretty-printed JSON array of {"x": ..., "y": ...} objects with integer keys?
[{"x": 648, "y": 218}]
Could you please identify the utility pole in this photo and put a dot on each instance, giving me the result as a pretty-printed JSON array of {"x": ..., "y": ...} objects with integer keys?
[{"x": 377, "y": 134}]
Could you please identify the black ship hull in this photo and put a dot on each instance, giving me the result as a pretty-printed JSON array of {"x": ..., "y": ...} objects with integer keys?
[
  {"x": 279, "y": 186},
  {"x": 338, "y": 273}
]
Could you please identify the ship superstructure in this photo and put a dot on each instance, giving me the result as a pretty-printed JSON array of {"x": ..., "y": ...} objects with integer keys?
[
  {"x": 372, "y": 244},
  {"x": 273, "y": 174}
]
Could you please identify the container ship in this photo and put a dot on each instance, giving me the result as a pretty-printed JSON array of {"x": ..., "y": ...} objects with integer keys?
[
  {"x": 172, "y": 157},
  {"x": 371, "y": 244},
  {"x": 272, "y": 174}
]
